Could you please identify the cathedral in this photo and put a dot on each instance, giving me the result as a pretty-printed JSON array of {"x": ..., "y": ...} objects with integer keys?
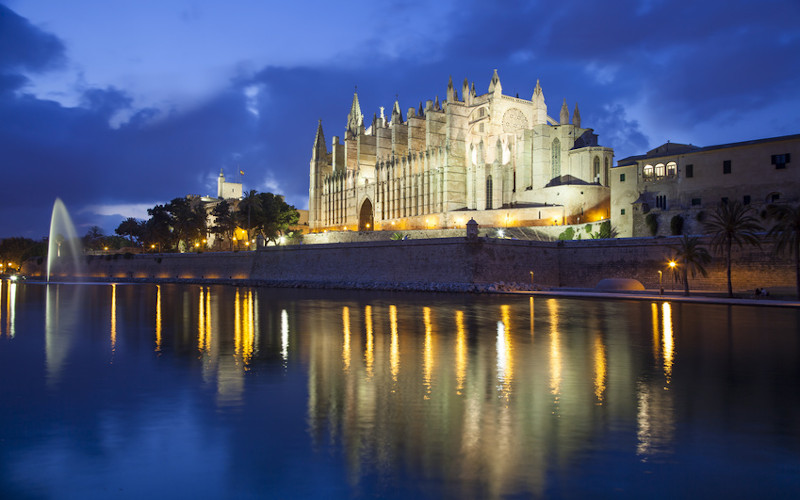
[{"x": 500, "y": 160}]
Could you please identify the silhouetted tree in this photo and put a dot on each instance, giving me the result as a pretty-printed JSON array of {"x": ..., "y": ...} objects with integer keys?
[
  {"x": 133, "y": 229},
  {"x": 224, "y": 221},
  {"x": 732, "y": 223},
  {"x": 691, "y": 258},
  {"x": 786, "y": 231}
]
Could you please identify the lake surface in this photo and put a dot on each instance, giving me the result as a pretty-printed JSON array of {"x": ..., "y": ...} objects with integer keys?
[{"x": 188, "y": 391}]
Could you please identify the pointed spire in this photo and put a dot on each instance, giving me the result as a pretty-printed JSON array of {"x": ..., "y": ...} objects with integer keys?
[
  {"x": 494, "y": 85},
  {"x": 436, "y": 104},
  {"x": 320, "y": 150},
  {"x": 397, "y": 115},
  {"x": 576, "y": 116},
  {"x": 452, "y": 96},
  {"x": 355, "y": 119},
  {"x": 564, "y": 118},
  {"x": 473, "y": 90},
  {"x": 421, "y": 112},
  {"x": 539, "y": 107},
  {"x": 537, "y": 92},
  {"x": 221, "y": 174}
]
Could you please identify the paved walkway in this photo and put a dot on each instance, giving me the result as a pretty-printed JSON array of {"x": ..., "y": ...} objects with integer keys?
[{"x": 651, "y": 295}]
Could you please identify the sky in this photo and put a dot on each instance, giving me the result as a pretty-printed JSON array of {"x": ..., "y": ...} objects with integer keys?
[{"x": 116, "y": 106}]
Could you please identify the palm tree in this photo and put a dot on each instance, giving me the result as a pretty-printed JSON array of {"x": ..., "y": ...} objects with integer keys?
[
  {"x": 732, "y": 223},
  {"x": 691, "y": 257},
  {"x": 786, "y": 231}
]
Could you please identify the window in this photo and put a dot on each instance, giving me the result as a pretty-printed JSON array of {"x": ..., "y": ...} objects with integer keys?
[
  {"x": 622, "y": 212},
  {"x": 726, "y": 167},
  {"x": 695, "y": 202},
  {"x": 746, "y": 200},
  {"x": 489, "y": 193},
  {"x": 660, "y": 170},
  {"x": 622, "y": 177},
  {"x": 780, "y": 161},
  {"x": 661, "y": 202},
  {"x": 690, "y": 170},
  {"x": 605, "y": 171},
  {"x": 647, "y": 172},
  {"x": 672, "y": 169},
  {"x": 555, "y": 159},
  {"x": 597, "y": 168}
]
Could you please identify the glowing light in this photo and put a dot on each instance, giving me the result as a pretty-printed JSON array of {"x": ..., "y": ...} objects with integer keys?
[
  {"x": 158, "y": 318},
  {"x": 555, "y": 350},
  {"x": 501, "y": 233},
  {"x": 505, "y": 362},
  {"x": 672, "y": 264},
  {"x": 461, "y": 352},
  {"x": 284, "y": 334},
  {"x": 599, "y": 368},
  {"x": 394, "y": 352},
  {"x": 530, "y": 306},
  {"x": 669, "y": 344},
  {"x": 346, "y": 337},
  {"x": 656, "y": 341},
  {"x": 369, "y": 351},
  {"x": 113, "y": 317},
  {"x": 428, "y": 355}
]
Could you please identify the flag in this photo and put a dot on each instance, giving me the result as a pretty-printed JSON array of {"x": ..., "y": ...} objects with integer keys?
[{"x": 241, "y": 172}]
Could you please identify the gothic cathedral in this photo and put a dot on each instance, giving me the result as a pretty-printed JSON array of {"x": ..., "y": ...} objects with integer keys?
[{"x": 497, "y": 159}]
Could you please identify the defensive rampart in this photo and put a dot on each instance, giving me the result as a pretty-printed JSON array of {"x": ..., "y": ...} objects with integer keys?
[{"x": 439, "y": 264}]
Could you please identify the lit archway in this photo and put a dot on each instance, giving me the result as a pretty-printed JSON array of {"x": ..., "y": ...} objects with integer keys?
[{"x": 365, "y": 216}]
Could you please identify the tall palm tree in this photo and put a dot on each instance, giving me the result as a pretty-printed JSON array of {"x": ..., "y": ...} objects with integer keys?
[
  {"x": 691, "y": 257},
  {"x": 786, "y": 231},
  {"x": 732, "y": 223}
]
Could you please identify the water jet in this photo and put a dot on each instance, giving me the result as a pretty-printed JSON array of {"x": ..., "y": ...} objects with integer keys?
[{"x": 64, "y": 249}]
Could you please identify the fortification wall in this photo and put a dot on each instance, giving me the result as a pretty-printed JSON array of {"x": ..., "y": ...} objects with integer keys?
[{"x": 447, "y": 263}]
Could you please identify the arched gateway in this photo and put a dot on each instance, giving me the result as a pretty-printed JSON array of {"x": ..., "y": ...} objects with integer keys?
[{"x": 365, "y": 222}]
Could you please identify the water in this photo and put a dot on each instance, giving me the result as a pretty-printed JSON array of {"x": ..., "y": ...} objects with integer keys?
[
  {"x": 129, "y": 391},
  {"x": 64, "y": 248}
]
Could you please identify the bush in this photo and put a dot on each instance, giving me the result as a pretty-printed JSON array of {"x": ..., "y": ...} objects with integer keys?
[
  {"x": 588, "y": 228},
  {"x": 676, "y": 225},
  {"x": 568, "y": 234},
  {"x": 652, "y": 223}
]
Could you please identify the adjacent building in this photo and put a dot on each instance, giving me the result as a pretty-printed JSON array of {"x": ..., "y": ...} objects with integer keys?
[
  {"x": 686, "y": 182},
  {"x": 499, "y": 159}
]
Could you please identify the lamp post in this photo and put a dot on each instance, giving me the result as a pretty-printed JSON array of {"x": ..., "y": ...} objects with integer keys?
[
  {"x": 672, "y": 265},
  {"x": 531, "y": 278}
]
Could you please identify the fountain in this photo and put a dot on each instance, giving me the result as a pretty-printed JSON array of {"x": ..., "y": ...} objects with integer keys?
[{"x": 64, "y": 246}]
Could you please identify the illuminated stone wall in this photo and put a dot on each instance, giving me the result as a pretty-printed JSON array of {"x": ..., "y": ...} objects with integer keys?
[{"x": 443, "y": 264}]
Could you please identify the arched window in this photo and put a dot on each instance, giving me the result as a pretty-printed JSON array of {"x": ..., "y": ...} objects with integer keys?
[
  {"x": 660, "y": 170},
  {"x": 605, "y": 172},
  {"x": 647, "y": 172},
  {"x": 672, "y": 169},
  {"x": 596, "y": 173},
  {"x": 555, "y": 152},
  {"x": 489, "y": 192}
]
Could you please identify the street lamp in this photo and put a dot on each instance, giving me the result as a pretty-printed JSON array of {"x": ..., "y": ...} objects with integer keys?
[{"x": 672, "y": 265}]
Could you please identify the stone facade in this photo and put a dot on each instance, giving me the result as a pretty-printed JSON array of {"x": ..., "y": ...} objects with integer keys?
[
  {"x": 497, "y": 159},
  {"x": 689, "y": 181}
]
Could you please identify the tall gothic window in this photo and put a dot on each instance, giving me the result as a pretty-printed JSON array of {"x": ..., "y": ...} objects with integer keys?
[
  {"x": 605, "y": 171},
  {"x": 489, "y": 192},
  {"x": 597, "y": 168},
  {"x": 556, "y": 158}
]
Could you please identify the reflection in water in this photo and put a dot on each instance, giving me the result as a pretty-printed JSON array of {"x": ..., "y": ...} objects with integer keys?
[
  {"x": 113, "y": 317},
  {"x": 461, "y": 352},
  {"x": 346, "y": 338},
  {"x": 428, "y": 351},
  {"x": 656, "y": 335},
  {"x": 555, "y": 351},
  {"x": 61, "y": 311},
  {"x": 394, "y": 354},
  {"x": 505, "y": 370},
  {"x": 369, "y": 350},
  {"x": 284, "y": 334},
  {"x": 669, "y": 344},
  {"x": 599, "y": 368},
  {"x": 158, "y": 318},
  {"x": 10, "y": 306},
  {"x": 530, "y": 306}
]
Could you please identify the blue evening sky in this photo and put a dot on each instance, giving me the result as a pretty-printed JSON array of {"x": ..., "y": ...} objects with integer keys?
[{"x": 115, "y": 106}]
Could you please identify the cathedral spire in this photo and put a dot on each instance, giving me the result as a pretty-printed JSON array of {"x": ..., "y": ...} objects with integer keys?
[
  {"x": 355, "y": 119},
  {"x": 319, "y": 151},
  {"x": 576, "y": 116},
  {"x": 397, "y": 115},
  {"x": 564, "y": 118},
  {"x": 494, "y": 85},
  {"x": 465, "y": 91},
  {"x": 451, "y": 91},
  {"x": 539, "y": 107}
]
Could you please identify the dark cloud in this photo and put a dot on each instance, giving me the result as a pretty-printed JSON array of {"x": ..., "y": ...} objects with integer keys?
[{"x": 26, "y": 47}]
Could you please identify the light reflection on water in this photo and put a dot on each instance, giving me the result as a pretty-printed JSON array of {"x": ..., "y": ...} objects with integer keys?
[{"x": 379, "y": 394}]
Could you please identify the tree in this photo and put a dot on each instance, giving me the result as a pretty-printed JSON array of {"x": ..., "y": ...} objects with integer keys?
[
  {"x": 732, "y": 223},
  {"x": 276, "y": 216},
  {"x": 16, "y": 249},
  {"x": 692, "y": 258},
  {"x": 133, "y": 229},
  {"x": 786, "y": 231},
  {"x": 224, "y": 221},
  {"x": 93, "y": 239},
  {"x": 250, "y": 213},
  {"x": 188, "y": 220},
  {"x": 158, "y": 229}
]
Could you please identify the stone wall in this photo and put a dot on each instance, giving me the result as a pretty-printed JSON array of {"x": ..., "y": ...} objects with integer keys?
[{"x": 446, "y": 263}]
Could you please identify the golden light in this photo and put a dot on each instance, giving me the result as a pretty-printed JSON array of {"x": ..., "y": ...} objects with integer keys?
[
  {"x": 196, "y": 244},
  {"x": 153, "y": 245},
  {"x": 367, "y": 225},
  {"x": 393, "y": 223},
  {"x": 672, "y": 264},
  {"x": 105, "y": 248}
]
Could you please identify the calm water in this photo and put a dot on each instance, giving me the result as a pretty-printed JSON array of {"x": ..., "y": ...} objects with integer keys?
[{"x": 132, "y": 391}]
